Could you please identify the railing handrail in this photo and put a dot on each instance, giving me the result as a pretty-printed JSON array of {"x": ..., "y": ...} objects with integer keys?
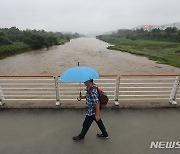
[
  {"x": 117, "y": 87},
  {"x": 24, "y": 76},
  {"x": 101, "y": 75},
  {"x": 121, "y": 75}
]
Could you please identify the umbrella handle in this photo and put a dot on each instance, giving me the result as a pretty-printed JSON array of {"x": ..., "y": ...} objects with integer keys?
[{"x": 79, "y": 98}]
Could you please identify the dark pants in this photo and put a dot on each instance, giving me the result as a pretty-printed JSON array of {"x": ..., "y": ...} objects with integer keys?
[{"x": 87, "y": 123}]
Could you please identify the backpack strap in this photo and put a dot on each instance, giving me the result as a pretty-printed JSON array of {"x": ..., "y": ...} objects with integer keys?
[{"x": 90, "y": 90}]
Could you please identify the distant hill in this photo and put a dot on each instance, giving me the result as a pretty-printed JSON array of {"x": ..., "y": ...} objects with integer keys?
[{"x": 162, "y": 27}]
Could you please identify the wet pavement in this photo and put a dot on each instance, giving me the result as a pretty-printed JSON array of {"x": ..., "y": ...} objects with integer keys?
[{"x": 49, "y": 131}]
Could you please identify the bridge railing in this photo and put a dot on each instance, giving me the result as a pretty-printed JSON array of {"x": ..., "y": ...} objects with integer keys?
[{"x": 119, "y": 88}]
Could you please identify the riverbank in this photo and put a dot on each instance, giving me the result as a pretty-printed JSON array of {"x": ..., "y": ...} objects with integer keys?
[
  {"x": 12, "y": 49},
  {"x": 162, "y": 52},
  {"x": 17, "y": 48}
]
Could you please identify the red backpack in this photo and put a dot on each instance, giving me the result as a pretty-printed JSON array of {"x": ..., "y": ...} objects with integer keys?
[{"x": 103, "y": 98}]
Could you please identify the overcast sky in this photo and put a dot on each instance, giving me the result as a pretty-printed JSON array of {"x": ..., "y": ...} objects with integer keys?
[{"x": 87, "y": 16}]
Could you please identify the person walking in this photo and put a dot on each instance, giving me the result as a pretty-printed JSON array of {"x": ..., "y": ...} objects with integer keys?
[{"x": 92, "y": 112}]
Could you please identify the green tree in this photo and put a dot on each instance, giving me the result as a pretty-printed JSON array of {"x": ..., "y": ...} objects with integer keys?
[
  {"x": 52, "y": 40},
  {"x": 67, "y": 37},
  {"x": 4, "y": 39},
  {"x": 38, "y": 41},
  {"x": 156, "y": 30},
  {"x": 179, "y": 36},
  {"x": 140, "y": 30},
  {"x": 171, "y": 30}
]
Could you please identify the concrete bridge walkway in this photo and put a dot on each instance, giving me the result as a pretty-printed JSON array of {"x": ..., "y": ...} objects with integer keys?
[{"x": 49, "y": 131}]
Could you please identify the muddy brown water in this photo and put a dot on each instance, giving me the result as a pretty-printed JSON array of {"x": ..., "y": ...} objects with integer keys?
[{"x": 90, "y": 52}]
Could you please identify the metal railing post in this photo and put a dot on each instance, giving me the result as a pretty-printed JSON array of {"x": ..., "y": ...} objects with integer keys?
[
  {"x": 116, "y": 93},
  {"x": 57, "y": 90},
  {"x": 1, "y": 97},
  {"x": 172, "y": 99}
]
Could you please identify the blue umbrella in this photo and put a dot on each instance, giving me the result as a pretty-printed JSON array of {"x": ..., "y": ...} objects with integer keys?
[{"x": 78, "y": 74}]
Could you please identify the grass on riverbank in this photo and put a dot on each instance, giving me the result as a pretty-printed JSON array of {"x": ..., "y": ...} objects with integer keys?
[
  {"x": 18, "y": 47},
  {"x": 163, "y": 52},
  {"x": 12, "y": 49},
  {"x": 62, "y": 41}
]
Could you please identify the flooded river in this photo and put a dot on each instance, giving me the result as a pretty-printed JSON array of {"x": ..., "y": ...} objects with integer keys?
[{"x": 90, "y": 52}]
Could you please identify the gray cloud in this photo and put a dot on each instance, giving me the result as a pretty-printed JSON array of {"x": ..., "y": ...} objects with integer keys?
[{"x": 86, "y": 16}]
